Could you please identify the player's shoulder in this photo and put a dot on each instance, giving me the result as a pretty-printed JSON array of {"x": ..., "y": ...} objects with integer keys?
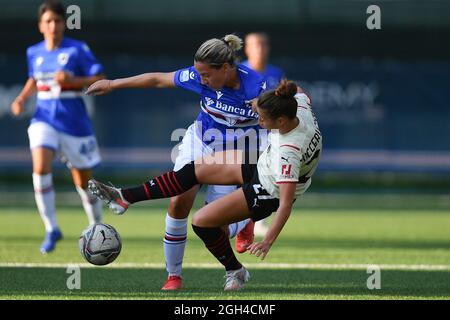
[
  {"x": 245, "y": 63},
  {"x": 79, "y": 45},
  {"x": 252, "y": 81},
  {"x": 246, "y": 72},
  {"x": 31, "y": 50},
  {"x": 275, "y": 70},
  {"x": 303, "y": 99},
  {"x": 187, "y": 74},
  {"x": 291, "y": 145}
]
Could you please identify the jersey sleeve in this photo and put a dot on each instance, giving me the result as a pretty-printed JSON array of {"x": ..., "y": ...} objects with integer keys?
[
  {"x": 288, "y": 164},
  {"x": 30, "y": 63},
  {"x": 188, "y": 79},
  {"x": 89, "y": 64}
]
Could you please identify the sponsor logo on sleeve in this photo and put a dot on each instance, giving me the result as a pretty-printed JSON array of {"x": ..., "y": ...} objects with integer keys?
[
  {"x": 286, "y": 169},
  {"x": 184, "y": 76}
]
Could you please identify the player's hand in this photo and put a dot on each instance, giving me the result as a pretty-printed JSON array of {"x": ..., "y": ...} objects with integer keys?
[
  {"x": 259, "y": 249},
  {"x": 63, "y": 77},
  {"x": 17, "y": 106},
  {"x": 254, "y": 104},
  {"x": 99, "y": 87}
]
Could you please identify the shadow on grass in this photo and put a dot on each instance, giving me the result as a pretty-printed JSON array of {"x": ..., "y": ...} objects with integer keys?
[
  {"x": 105, "y": 283},
  {"x": 296, "y": 243}
]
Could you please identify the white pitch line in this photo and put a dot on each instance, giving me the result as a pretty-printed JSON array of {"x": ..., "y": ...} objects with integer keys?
[{"x": 262, "y": 265}]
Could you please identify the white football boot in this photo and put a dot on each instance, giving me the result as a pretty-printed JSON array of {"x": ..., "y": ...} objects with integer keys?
[
  {"x": 235, "y": 279},
  {"x": 111, "y": 195}
]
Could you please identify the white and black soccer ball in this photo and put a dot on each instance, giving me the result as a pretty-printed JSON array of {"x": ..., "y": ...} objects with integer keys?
[{"x": 100, "y": 244}]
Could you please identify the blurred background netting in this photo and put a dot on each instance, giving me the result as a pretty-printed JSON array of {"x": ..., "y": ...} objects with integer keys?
[{"x": 382, "y": 97}]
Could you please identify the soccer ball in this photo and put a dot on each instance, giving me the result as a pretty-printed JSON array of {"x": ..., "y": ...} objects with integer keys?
[{"x": 100, "y": 244}]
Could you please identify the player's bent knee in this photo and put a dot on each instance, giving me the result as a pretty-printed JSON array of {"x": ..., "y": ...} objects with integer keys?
[
  {"x": 200, "y": 221},
  {"x": 179, "y": 208},
  {"x": 196, "y": 221}
]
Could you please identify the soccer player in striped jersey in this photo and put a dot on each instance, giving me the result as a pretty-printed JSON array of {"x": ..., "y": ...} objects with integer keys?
[
  {"x": 283, "y": 173},
  {"x": 227, "y": 90},
  {"x": 257, "y": 49},
  {"x": 59, "y": 67}
]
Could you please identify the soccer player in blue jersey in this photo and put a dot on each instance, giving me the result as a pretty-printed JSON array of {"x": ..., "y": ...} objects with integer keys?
[
  {"x": 226, "y": 118},
  {"x": 59, "y": 68},
  {"x": 257, "y": 49}
]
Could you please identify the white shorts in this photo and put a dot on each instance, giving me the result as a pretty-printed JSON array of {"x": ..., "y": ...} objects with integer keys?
[
  {"x": 77, "y": 152},
  {"x": 192, "y": 148}
]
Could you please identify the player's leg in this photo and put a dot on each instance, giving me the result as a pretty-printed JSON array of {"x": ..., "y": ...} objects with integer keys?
[
  {"x": 43, "y": 186},
  {"x": 175, "y": 231},
  {"x": 172, "y": 184},
  {"x": 81, "y": 154},
  {"x": 175, "y": 236},
  {"x": 168, "y": 185},
  {"x": 43, "y": 143},
  {"x": 207, "y": 224},
  {"x": 242, "y": 229},
  {"x": 176, "y": 223},
  {"x": 91, "y": 204}
]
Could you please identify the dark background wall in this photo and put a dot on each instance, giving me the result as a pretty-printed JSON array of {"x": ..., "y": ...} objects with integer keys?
[{"x": 381, "y": 96}]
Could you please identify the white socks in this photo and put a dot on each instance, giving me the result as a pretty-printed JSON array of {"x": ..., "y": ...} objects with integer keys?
[
  {"x": 91, "y": 205},
  {"x": 45, "y": 199},
  {"x": 236, "y": 227},
  {"x": 174, "y": 244}
]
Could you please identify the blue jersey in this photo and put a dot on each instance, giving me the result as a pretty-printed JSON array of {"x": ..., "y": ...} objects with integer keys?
[
  {"x": 62, "y": 107},
  {"x": 225, "y": 108},
  {"x": 272, "y": 75}
]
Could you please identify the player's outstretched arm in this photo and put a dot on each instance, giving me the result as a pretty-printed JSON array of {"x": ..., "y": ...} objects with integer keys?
[
  {"x": 66, "y": 78},
  {"x": 287, "y": 194},
  {"x": 28, "y": 89},
  {"x": 146, "y": 80}
]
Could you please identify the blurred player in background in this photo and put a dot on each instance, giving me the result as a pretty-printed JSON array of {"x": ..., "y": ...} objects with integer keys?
[
  {"x": 257, "y": 49},
  {"x": 282, "y": 173},
  {"x": 59, "y": 68},
  {"x": 227, "y": 90}
]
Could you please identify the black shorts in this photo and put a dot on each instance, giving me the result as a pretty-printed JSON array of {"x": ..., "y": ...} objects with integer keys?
[{"x": 260, "y": 203}]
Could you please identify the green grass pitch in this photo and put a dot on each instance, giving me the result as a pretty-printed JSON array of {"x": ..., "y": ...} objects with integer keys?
[{"x": 321, "y": 254}]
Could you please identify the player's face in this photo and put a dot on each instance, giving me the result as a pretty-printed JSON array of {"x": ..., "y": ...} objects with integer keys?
[
  {"x": 256, "y": 48},
  {"x": 212, "y": 77},
  {"x": 51, "y": 25},
  {"x": 265, "y": 120}
]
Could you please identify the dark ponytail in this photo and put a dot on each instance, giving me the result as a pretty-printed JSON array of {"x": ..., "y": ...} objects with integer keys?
[{"x": 280, "y": 101}]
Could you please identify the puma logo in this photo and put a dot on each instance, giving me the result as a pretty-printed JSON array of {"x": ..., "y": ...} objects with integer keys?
[{"x": 104, "y": 236}]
